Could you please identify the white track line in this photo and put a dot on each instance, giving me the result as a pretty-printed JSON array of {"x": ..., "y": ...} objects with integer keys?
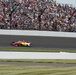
[{"x": 36, "y": 55}]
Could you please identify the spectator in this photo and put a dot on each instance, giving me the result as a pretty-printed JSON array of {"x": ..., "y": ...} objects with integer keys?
[{"x": 37, "y": 14}]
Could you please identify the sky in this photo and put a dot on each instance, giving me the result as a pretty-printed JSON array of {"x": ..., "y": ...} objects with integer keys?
[{"x": 73, "y": 2}]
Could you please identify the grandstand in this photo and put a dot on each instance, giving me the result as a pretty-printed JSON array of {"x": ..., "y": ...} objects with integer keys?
[{"x": 37, "y": 15}]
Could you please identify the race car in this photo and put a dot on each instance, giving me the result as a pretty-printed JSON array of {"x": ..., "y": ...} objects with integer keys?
[{"x": 21, "y": 43}]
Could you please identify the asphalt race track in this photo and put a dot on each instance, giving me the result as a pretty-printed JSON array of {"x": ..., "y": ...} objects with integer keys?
[
  {"x": 38, "y": 41},
  {"x": 37, "y": 64}
]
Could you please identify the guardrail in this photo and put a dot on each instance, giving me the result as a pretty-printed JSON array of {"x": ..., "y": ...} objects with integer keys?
[{"x": 37, "y": 33}]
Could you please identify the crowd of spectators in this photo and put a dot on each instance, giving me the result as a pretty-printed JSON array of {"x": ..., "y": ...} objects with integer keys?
[{"x": 37, "y": 15}]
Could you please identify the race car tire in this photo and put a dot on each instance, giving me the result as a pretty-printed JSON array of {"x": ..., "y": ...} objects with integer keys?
[
  {"x": 19, "y": 45},
  {"x": 29, "y": 45}
]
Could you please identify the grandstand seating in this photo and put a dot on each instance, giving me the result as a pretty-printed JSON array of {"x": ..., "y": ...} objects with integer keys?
[{"x": 37, "y": 15}]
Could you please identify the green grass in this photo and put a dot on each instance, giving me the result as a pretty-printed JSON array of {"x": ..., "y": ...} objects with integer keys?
[
  {"x": 36, "y": 70},
  {"x": 31, "y": 49},
  {"x": 63, "y": 61}
]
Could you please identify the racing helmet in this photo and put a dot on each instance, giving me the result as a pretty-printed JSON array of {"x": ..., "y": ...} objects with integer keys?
[{"x": 23, "y": 40}]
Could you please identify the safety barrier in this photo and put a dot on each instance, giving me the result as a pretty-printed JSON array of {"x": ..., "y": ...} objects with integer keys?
[{"x": 37, "y": 33}]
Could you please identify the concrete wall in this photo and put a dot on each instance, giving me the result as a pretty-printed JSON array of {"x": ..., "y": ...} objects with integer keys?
[{"x": 37, "y": 33}]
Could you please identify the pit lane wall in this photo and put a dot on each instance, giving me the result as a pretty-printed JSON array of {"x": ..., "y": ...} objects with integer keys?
[{"x": 37, "y": 33}]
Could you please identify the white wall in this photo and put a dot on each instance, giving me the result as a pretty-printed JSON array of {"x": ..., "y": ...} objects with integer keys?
[
  {"x": 38, "y": 33},
  {"x": 37, "y": 55}
]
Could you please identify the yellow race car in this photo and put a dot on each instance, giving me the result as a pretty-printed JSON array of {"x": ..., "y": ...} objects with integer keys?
[{"x": 21, "y": 43}]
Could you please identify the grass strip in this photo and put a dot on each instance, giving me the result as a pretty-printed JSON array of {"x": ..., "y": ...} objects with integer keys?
[
  {"x": 36, "y": 70},
  {"x": 31, "y": 49}
]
